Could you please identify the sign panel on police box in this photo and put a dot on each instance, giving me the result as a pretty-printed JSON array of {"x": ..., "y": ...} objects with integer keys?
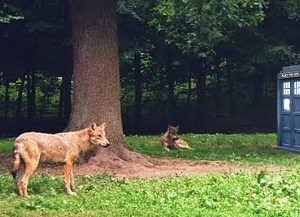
[{"x": 288, "y": 75}]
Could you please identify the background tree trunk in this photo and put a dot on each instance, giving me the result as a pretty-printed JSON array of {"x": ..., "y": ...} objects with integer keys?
[
  {"x": 61, "y": 101},
  {"x": 6, "y": 108},
  {"x": 64, "y": 106},
  {"x": 200, "y": 89},
  {"x": 96, "y": 93},
  {"x": 45, "y": 102},
  {"x": 67, "y": 95},
  {"x": 137, "y": 91},
  {"x": 31, "y": 96},
  {"x": 171, "y": 108},
  {"x": 20, "y": 97},
  {"x": 189, "y": 90}
]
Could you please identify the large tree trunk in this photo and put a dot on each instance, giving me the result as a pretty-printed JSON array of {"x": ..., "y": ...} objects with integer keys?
[{"x": 96, "y": 93}]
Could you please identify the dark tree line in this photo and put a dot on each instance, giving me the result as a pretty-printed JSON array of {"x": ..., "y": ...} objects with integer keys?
[{"x": 206, "y": 66}]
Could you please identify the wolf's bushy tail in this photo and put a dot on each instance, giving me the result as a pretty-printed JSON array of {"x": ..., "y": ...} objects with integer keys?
[{"x": 16, "y": 163}]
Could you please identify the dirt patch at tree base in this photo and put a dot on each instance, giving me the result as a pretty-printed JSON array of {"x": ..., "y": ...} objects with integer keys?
[{"x": 156, "y": 167}]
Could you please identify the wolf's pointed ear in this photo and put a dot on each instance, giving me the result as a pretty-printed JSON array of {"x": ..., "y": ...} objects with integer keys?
[
  {"x": 177, "y": 127},
  {"x": 103, "y": 125},
  {"x": 169, "y": 126},
  {"x": 94, "y": 125}
]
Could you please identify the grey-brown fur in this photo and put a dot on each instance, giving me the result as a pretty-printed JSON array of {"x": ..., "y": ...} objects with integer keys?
[
  {"x": 170, "y": 139},
  {"x": 30, "y": 147}
]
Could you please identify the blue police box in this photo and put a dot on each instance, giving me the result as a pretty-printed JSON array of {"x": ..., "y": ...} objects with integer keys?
[{"x": 288, "y": 109}]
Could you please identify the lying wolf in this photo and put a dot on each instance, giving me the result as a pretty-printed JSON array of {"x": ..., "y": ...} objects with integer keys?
[
  {"x": 30, "y": 147},
  {"x": 171, "y": 139}
]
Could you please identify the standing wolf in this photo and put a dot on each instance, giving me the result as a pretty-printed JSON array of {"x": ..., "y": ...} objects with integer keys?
[
  {"x": 170, "y": 139},
  {"x": 30, "y": 147}
]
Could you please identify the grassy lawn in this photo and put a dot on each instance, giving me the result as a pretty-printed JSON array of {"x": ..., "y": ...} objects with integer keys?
[
  {"x": 249, "y": 149},
  {"x": 241, "y": 194}
]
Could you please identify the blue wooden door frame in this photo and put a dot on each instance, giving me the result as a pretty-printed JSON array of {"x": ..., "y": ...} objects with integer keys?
[{"x": 288, "y": 122}]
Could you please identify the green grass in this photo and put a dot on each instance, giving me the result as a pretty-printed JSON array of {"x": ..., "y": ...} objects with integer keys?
[
  {"x": 6, "y": 145},
  {"x": 249, "y": 149},
  {"x": 241, "y": 194}
]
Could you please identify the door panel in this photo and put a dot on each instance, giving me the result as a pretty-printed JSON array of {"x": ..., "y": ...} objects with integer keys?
[
  {"x": 297, "y": 139},
  {"x": 297, "y": 121},
  {"x": 296, "y": 112},
  {"x": 286, "y": 122},
  {"x": 286, "y": 138},
  {"x": 296, "y": 104},
  {"x": 287, "y": 109}
]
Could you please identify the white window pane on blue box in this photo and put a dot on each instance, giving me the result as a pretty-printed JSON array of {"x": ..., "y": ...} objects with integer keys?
[
  {"x": 297, "y": 87},
  {"x": 286, "y": 88}
]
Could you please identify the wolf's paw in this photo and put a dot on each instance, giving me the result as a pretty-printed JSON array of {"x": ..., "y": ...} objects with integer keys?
[{"x": 71, "y": 193}]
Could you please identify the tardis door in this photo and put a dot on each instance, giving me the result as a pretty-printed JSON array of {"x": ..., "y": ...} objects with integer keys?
[
  {"x": 296, "y": 113},
  {"x": 286, "y": 113}
]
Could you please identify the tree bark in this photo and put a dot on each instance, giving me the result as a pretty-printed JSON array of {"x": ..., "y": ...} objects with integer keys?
[
  {"x": 20, "y": 97},
  {"x": 96, "y": 87}
]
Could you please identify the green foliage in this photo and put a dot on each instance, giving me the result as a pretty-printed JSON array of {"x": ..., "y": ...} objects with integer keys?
[
  {"x": 240, "y": 194},
  {"x": 8, "y": 12},
  {"x": 196, "y": 27},
  {"x": 293, "y": 8}
]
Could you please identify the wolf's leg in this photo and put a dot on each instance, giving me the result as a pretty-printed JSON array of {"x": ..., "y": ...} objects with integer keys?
[
  {"x": 19, "y": 177},
  {"x": 67, "y": 171},
  {"x": 30, "y": 167},
  {"x": 165, "y": 145},
  {"x": 72, "y": 179}
]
